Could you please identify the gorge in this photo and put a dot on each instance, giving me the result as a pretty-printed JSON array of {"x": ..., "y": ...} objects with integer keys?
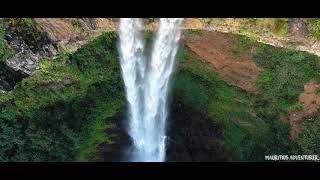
[{"x": 78, "y": 89}]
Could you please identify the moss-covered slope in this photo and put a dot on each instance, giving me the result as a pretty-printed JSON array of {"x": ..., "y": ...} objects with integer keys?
[
  {"x": 59, "y": 114},
  {"x": 63, "y": 113}
]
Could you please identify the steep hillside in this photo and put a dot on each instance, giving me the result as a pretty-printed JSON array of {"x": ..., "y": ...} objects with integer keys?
[{"x": 233, "y": 98}]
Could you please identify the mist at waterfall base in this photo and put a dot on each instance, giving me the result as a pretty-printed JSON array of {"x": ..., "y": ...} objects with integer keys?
[{"x": 147, "y": 81}]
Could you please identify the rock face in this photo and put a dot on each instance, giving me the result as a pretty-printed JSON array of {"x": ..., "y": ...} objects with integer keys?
[
  {"x": 9, "y": 75},
  {"x": 310, "y": 99},
  {"x": 71, "y": 33},
  {"x": 58, "y": 34},
  {"x": 28, "y": 55},
  {"x": 28, "y": 63},
  {"x": 5, "y": 85},
  {"x": 298, "y": 27},
  {"x": 68, "y": 34},
  {"x": 217, "y": 49},
  {"x": 297, "y": 33},
  {"x": 193, "y": 136}
]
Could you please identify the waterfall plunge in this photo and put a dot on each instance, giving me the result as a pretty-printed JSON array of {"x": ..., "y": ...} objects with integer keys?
[{"x": 147, "y": 84}]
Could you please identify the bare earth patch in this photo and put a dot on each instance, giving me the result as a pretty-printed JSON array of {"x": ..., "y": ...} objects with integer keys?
[
  {"x": 217, "y": 49},
  {"x": 310, "y": 99},
  {"x": 71, "y": 33}
]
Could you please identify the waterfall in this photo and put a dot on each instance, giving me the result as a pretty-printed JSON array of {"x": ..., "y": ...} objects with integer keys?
[{"x": 147, "y": 84}]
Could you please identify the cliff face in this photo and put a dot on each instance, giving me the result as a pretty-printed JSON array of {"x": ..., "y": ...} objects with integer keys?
[
  {"x": 68, "y": 34},
  {"x": 71, "y": 33},
  {"x": 289, "y": 33},
  {"x": 40, "y": 38},
  {"x": 233, "y": 97}
]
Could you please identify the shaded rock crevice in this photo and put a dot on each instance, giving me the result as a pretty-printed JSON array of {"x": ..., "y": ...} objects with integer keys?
[{"x": 193, "y": 136}]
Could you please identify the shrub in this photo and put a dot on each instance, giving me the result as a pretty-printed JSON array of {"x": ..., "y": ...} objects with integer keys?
[{"x": 314, "y": 27}]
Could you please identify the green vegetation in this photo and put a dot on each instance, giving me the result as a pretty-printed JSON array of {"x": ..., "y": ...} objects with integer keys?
[
  {"x": 254, "y": 124},
  {"x": 278, "y": 26},
  {"x": 192, "y": 32},
  {"x": 149, "y": 20},
  {"x": 314, "y": 27},
  {"x": 59, "y": 114},
  {"x": 5, "y": 51},
  {"x": 28, "y": 30},
  {"x": 227, "y": 105},
  {"x": 243, "y": 47},
  {"x": 76, "y": 25},
  {"x": 63, "y": 112},
  {"x": 209, "y": 21},
  {"x": 285, "y": 73},
  {"x": 308, "y": 138}
]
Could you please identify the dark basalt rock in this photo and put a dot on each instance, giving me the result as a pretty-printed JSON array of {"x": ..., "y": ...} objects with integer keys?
[
  {"x": 31, "y": 44},
  {"x": 5, "y": 85},
  {"x": 193, "y": 136},
  {"x": 26, "y": 60},
  {"x": 10, "y": 76}
]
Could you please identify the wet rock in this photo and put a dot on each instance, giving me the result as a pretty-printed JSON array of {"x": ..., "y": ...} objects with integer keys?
[{"x": 4, "y": 85}]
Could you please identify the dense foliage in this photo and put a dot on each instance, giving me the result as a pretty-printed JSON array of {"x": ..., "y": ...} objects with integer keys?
[
  {"x": 309, "y": 139},
  {"x": 59, "y": 114},
  {"x": 62, "y": 113},
  {"x": 225, "y": 104},
  {"x": 254, "y": 124},
  {"x": 5, "y": 50}
]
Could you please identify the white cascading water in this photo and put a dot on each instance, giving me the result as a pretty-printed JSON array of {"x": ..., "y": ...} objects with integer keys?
[{"x": 147, "y": 84}]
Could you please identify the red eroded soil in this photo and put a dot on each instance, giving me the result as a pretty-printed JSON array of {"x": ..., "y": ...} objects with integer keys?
[
  {"x": 217, "y": 49},
  {"x": 310, "y": 99}
]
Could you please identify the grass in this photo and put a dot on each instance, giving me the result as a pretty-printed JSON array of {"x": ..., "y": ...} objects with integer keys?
[
  {"x": 285, "y": 72},
  {"x": 243, "y": 47},
  {"x": 193, "y": 33},
  {"x": 209, "y": 21},
  {"x": 314, "y": 28},
  {"x": 278, "y": 26},
  {"x": 226, "y": 105},
  {"x": 252, "y": 27},
  {"x": 255, "y": 124}
]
